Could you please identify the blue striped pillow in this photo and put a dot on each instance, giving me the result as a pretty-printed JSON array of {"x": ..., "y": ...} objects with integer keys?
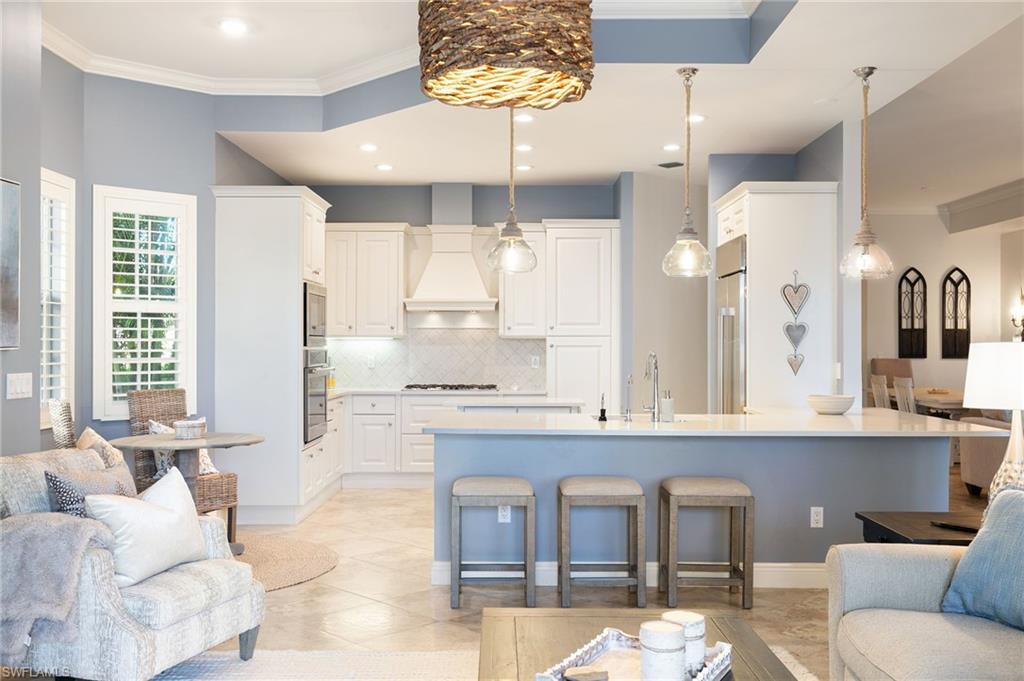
[{"x": 989, "y": 581}]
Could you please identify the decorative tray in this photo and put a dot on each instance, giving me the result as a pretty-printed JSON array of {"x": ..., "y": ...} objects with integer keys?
[{"x": 618, "y": 653}]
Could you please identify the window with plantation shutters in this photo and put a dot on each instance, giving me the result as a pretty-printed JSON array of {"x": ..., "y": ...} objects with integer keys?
[
  {"x": 57, "y": 291},
  {"x": 144, "y": 277}
]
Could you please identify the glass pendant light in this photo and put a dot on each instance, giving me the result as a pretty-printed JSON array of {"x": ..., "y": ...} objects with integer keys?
[
  {"x": 512, "y": 253},
  {"x": 865, "y": 259},
  {"x": 688, "y": 257}
]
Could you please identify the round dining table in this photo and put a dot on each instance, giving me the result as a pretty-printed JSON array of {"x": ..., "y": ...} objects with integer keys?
[{"x": 186, "y": 454}]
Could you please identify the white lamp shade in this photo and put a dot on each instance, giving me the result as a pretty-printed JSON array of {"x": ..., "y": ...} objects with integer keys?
[{"x": 995, "y": 376}]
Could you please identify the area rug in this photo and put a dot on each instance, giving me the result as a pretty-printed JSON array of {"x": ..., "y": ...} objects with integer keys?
[
  {"x": 801, "y": 672},
  {"x": 280, "y": 562},
  {"x": 287, "y": 665}
]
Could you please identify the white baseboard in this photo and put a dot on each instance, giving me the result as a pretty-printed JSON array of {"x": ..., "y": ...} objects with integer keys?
[
  {"x": 766, "y": 575},
  {"x": 285, "y": 515},
  {"x": 387, "y": 480}
]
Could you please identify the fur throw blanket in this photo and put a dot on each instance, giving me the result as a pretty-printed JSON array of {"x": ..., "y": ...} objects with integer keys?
[{"x": 40, "y": 565}]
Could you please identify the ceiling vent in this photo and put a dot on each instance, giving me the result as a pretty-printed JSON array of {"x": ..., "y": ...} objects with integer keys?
[{"x": 669, "y": 165}]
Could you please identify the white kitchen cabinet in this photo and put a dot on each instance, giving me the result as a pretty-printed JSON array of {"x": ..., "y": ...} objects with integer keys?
[
  {"x": 732, "y": 220},
  {"x": 379, "y": 283},
  {"x": 340, "y": 262},
  {"x": 337, "y": 432},
  {"x": 580, "y": 368},
  {"x": 521, "y": 298},
  {"x": 313, "y": 469},
  {"x": 313, "y": 232},
  {"x": 417, "y": 454},
  {"x": 578, "y": 282},
  {"x": 373, "y": 443}
]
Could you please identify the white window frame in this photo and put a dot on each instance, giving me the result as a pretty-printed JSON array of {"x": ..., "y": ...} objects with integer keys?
[
  {"x": 61, "y": 187},
  {"x": 106, "y": 201}
]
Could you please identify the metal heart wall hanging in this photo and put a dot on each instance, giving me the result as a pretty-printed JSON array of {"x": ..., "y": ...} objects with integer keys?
[
  {"x": 795, "y": 332},
  {"x": 795, "y": 296},
  {"x": 795, "y": 362}
]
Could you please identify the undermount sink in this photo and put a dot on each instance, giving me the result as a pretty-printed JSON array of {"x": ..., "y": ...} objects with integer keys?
[{"x": 680, "y": 418}]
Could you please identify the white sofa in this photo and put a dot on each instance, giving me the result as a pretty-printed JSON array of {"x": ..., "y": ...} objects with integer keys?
[
  {"x": 137, "y": 632},
  {"x": 885, "y": 621},
  {"x": 980, "y": 457}
]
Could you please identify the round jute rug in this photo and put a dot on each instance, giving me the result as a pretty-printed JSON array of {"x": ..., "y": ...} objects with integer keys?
[{"x": 280, "y": 562}]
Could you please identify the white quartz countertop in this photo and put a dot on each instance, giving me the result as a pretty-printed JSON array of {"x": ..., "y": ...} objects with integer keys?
[
  {"x": 341, "y": 392},
  {"x": 767, "y": 423},
  {"x": 511, "y": 400}
]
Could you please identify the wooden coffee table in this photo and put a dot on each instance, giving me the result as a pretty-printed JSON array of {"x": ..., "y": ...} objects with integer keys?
[{"x": 517, "y": 643}]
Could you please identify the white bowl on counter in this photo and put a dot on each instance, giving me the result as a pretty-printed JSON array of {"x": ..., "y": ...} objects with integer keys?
[{"x": 830, "y": 405}]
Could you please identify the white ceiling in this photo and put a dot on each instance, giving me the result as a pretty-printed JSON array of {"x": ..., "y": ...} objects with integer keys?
[
  {"x": 966, "y": 126},
  {"x": 798, "y": 86},
  {"x": 292, "y": 47}
]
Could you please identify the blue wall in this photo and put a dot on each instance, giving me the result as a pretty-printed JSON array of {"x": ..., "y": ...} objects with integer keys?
[
  {"x": 725, "y": 171},
  {"x": 234, "y": 166},
  {"x": 353, "y": 203},
  {"x": 822, "y": 159},
  {"x": 20, "y": 156}
]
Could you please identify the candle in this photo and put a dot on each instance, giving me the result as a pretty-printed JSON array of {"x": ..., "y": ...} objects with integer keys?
[
  {"x": 662, "y": 653},
  {"x": 694, "y": 629}
]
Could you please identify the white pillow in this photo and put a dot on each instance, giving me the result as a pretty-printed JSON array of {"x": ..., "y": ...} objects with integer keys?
[
  {"x": 152, "y": 532},
  {"x": 110, "y": 454},
  {"x": 164, "y": 458}
]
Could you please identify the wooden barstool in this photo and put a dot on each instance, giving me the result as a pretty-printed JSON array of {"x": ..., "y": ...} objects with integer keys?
[
  {"x": 599, "y": 490},
  {"x": 706, "y": 493},
  {"x": 494, "y": 491}
]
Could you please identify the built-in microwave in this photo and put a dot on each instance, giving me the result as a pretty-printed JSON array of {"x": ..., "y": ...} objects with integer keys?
[{"x": 314, "y": 318}]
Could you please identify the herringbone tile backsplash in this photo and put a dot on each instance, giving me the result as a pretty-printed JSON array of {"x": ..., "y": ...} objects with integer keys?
[{"x": 438, "y": 356}]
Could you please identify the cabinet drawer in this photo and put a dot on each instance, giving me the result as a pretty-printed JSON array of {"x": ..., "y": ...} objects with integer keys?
[
  {"x": 417, "y": 454},
  {"x": 373, "y": 404},
  {"x": 335, "y": 408},
  {"x": 732, "y": 221},
  {"x": 419, "y": 410}
]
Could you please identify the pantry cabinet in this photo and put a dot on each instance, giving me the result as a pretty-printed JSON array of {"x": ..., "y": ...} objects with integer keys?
[
  {"x": 313, "y": 232},
  {"x": 365, "y": 279},
  {"x": 521, "y": 297},
  {"x": 579, "y": 282},
  {"x": 580, "y": 368}
]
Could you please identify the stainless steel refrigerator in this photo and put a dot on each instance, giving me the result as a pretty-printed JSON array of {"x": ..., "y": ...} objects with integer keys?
[{"x": 731, "y": 321}]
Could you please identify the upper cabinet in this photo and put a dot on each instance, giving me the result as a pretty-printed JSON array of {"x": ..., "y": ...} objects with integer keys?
[
  {"x": 340, "y": 262},
  {"x": 521, "y": 297},
  {"x": 365, "y": 267},
  {"x": 579, "y": 281},
  {"x": 313, "y": 230}
]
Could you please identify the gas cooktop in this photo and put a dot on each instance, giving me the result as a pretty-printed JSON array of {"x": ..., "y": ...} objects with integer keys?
[{"x": 451, "y": 386}]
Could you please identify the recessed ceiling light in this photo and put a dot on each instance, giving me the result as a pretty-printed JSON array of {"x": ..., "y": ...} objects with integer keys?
[
  {"x": 696, "y": 118},
  {"x": 384, "y": 167},
  {"x": 524, "y": 167},
  {"x": 369, "y": 146},
  {"x": 523, "y": 118},
  {"x": 233, "y": 27},
  {"x": 671, "y": 147},
  {"x": 524, "y": 147}
]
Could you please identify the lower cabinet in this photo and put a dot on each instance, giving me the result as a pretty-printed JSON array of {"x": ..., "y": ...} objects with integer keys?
[
  {"x": 373, "y": 443},
  {"x": 417, "y": 454},
  {"x": 313, "y": 471}
]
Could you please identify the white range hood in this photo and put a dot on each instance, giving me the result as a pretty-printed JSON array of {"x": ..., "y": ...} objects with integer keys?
[{"x": 451, "y": 281}]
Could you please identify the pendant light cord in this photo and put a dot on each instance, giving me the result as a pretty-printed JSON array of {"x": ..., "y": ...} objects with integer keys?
[
  {"x": 512, "y": 163},
  {"x": 864, "y": 156},
  {"x": 688, "y": 84}
]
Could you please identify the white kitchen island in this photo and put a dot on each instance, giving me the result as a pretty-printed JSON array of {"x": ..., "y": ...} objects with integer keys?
[{"x": 867, "y": 460}]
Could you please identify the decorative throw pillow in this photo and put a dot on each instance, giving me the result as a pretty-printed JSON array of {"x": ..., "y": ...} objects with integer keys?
[
  {"x": 153, "y": 532},
  {"x": 165, "y": 458},
  {"x": 68, "y": 490},
  {"x": 989, "y": 580},
  {"x": 110, "y": 454}
]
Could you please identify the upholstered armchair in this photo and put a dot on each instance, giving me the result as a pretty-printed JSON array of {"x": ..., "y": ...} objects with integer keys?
[
  {"x": 980, "y": 457},
  {"x": 136, "y": 632}
]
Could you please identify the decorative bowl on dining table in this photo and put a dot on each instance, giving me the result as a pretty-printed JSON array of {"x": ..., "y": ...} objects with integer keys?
[{"x": 830, "y": 405}]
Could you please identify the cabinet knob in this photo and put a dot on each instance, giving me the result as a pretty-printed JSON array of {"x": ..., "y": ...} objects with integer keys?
[
  {"x": 552, "y": 345},
  {"x": 349, "y": 327},
  {"x": 373, "y": 404},
  {"x": 552, "y": 328},
  {"x": 509, "y": 328},
  {"x": 392, "y": 328},
  {"x": 389, "y": 424}
]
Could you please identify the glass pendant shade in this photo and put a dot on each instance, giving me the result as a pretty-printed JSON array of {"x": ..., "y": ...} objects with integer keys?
[
  {"x": 866, "y": 261},
  {"x": 687, "y": 257},
  {"x": 512, "y": 253}
]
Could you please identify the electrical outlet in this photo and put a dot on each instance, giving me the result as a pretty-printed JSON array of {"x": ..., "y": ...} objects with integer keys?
[
  {"x": 535, "y": 361},
  {"x": 371, "y": 362},
  {"x": 504, "y": 514},
  {"x": 817, "y": 516}
]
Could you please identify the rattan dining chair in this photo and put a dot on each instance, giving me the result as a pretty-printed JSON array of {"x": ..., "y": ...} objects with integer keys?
[
  {"x": 880, "y": 392},
  {"x": 214, "y": 491},
  {"x": 62, "y": 424}
]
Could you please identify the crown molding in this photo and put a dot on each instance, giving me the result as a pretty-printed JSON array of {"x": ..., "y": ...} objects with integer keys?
[
  {"x": 673, "y": 9},
  {"x": 67, "y": 48},
  {"x": 1010, "y": 190}
]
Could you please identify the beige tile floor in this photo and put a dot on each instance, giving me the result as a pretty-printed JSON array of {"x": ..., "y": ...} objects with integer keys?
[{"x": 380, "y": 598}]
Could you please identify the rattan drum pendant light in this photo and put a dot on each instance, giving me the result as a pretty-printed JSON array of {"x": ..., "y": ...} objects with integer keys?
[{"x": 505, "y": 53}]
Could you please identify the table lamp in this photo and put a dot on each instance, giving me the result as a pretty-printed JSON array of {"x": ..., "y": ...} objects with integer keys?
[{"x": 995, "y": 380}]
